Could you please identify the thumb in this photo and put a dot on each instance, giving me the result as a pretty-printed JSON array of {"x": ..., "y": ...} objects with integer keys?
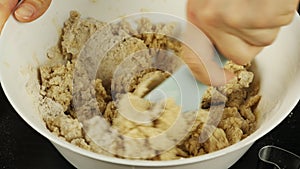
[
  {"x": 6, "y": 7},
  {"x": 30, "y": 10}
]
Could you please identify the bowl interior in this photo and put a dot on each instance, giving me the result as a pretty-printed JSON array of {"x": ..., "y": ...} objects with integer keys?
[{"x": 23, "y": 48}]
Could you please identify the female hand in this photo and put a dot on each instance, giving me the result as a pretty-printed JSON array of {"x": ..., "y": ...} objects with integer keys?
[
  {"x": 25, "y": 11},
  {"x": 239, "y": 29}
]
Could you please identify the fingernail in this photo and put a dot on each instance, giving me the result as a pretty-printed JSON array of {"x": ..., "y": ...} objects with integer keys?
[{"x": 25, "y": 11}]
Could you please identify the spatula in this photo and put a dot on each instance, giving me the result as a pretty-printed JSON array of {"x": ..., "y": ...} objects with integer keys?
[{"x": 183, "y": 87}]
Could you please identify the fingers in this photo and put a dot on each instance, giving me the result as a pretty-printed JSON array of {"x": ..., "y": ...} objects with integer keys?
[
  {"x": 235, "y": 48},
  {"x": 6, "y": 7},
  {"x": 257, "y": 37},
  {"x": 30, "y": 10},
  {"x": 239, "y": 28},
  {"x": 269, "y": 20},
  {"x": 27, "y": 11},
  {"x": 205, "y": 69}
]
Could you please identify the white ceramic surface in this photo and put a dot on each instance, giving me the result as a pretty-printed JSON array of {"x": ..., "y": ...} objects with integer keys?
[{"x": 23, "y": 46}]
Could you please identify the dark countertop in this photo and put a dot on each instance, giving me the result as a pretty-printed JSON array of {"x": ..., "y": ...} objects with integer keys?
[{"x": 22, "y": 147}]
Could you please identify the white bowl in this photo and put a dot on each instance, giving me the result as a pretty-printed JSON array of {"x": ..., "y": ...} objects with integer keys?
[{"x": 23, "y": 48}]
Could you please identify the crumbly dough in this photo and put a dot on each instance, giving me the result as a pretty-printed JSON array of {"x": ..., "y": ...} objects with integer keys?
[{"x": 117, "y": 105}]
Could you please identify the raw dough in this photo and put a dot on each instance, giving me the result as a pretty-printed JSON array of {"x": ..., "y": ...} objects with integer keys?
[{"x": 143, "y": 123}]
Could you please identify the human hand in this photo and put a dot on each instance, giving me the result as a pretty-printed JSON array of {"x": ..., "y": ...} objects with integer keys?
[
  {"x": 238, "y": 28},
  {"x": 25, "y": 11}
]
